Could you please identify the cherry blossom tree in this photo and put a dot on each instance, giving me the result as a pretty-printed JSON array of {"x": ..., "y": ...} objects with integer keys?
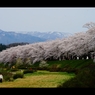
[
  {"x": 80, "y": 45},
  {"x": 89, "y": 25}
]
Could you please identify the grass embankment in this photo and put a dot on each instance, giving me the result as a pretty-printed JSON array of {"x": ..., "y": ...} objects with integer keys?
[
  {"x": 39, "y": 79},
  {"x": 68, "y": 64}
]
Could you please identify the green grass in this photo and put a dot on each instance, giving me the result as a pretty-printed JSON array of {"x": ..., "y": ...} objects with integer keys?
[
  {"x": 39, "y": 79},
  {"x": 68, "y": 63}
]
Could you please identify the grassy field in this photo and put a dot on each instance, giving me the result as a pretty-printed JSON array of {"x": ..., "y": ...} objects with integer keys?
[
  {"x": 39, "y": 79},
  {"x": 47, "y": 79}
]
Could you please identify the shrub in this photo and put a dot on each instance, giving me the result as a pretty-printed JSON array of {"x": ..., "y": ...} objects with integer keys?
[
  {"x": 53, "y": 68},
  {"x": 84, "y": 79},
  {"x": 72, "y": 70},
  {"x": 34, "y": 69},
  {"x": 14, "y": 69},
  {"x": 18, "y": 75},
  {"x": 29, "y": 70},
  {"x": 7, "y": 76},
  {"x": 22, "y": 67},
  {"x": 43, "y": 64}
]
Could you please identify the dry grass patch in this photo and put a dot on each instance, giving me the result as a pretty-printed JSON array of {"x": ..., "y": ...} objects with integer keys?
[{"x": 39, "y": 79}]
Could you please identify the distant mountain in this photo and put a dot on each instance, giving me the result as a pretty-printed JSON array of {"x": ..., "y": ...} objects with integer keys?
[
  {"x": 8, "y": 37},
  {"x": 49, "y": 35},
  {"x": 13, "y": 37}
]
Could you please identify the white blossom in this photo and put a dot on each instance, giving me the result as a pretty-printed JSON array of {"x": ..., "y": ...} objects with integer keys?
[{"x": 77, "y": 45}]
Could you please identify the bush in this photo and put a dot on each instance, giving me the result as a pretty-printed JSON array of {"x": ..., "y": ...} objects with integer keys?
[
  {"x": 84, "y": 79},
  {"x": 18, "y": 75},
  {"x": 34, "y": 69},
  {"x": 14, "y": 69},
  {"x": 43, "y": 64},
  {"x": 54, "y": 68},
  {"x": 30, "y": 70},
  {"x": 7, "y": 76},
  {"x": 72, "y": 70}
]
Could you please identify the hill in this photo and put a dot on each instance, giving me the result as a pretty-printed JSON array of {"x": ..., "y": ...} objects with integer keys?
[
  {"x": 8, "y": 37},
  {"x": 13, "y": 37}
]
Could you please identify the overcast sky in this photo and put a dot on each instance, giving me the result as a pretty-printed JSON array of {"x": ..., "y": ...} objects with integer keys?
[{"x": 43, "y": 19}]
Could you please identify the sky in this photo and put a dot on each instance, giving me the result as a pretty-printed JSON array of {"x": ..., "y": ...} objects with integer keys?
[{"x": 44, "y": 19}]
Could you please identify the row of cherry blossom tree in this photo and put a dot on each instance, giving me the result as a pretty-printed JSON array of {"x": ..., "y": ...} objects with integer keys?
[{"x": 78, "y": 46}]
